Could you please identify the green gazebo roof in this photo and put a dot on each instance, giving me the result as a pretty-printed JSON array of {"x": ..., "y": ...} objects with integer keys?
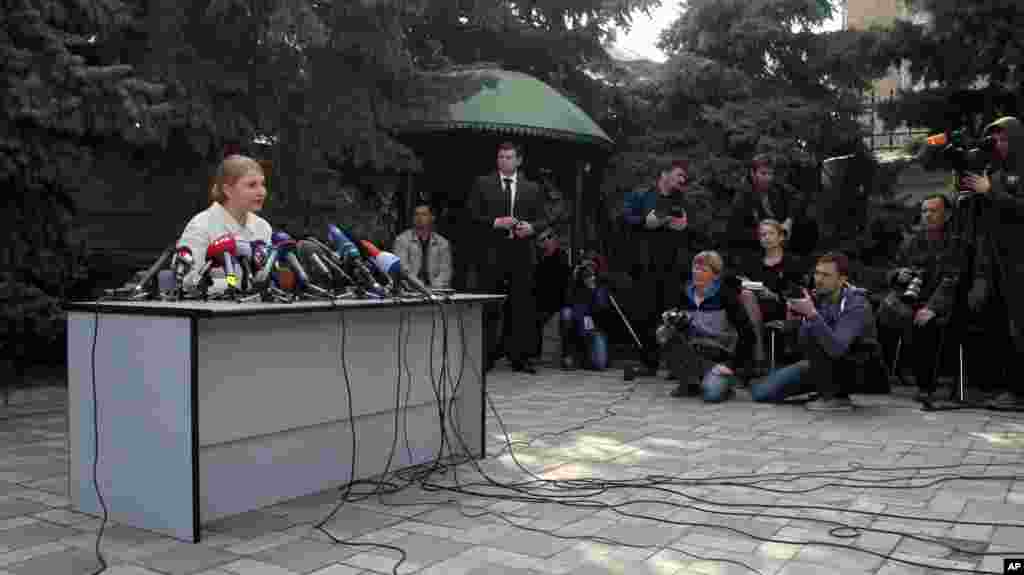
[{"x": 516, "y": 104}]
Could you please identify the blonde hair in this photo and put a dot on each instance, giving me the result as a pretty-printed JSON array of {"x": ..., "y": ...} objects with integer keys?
[
  {"x": 783, "y": 234},
  {"x": 711, "y": 259},
  {"x": 232, "y": 169}
]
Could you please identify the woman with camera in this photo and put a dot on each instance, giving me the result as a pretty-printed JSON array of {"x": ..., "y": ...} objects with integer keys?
[
  {"x": 710, "y": 334},
  {"x": 583, "y": 342}
]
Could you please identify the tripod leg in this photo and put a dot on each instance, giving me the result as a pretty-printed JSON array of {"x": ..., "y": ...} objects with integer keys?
[{"x": 629, "y": 326}]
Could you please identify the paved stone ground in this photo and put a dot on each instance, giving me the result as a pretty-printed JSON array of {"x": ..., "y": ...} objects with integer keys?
[{"x": 665, "y": 507}]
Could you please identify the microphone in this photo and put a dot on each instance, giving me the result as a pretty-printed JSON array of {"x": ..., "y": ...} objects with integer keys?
[
  {"x": 266, "y": 259},
  {"x": 182, "y": 264},
  {"x": 383, "y": 278},
  {"x": 244, "y": 249},
  {"x": 329, "y": 258},
  {"x": 353, "y": 259},
  {"x": 221, "y": 252},
  {"x": 147, "y": 277},
  {"x": 309, "y": 253},
  {"x": 389, "y": 263},
  {"x": 259, "y": 254},
  {"x": 285, "y": 246}
]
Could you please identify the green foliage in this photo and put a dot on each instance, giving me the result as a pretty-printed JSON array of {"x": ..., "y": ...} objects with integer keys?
[
  {"x": 754, "y": 77},
  {"x": 64, "y": 98},
  {"x": 965, "y": 61}
]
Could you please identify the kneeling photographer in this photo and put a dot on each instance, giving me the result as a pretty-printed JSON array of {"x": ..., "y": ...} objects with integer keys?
[
  {"x": 922, "y": 291},
  {"x": 709, "y": 335},
  {"x": 587, "y": 301},
  {"x": 837, "y": 332}
]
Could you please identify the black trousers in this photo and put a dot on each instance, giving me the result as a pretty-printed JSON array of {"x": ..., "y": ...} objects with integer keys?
[
  {"x": 688, "y": 363},
  {"x": 511, "y": 272},
  {"x": 919, "y": 350},
  {"x": 655, "y": 291}
]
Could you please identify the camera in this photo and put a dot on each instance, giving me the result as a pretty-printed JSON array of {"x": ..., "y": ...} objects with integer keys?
[
  {"x": 964, "y": 155},
  {"x": 911, "y": 288},
  {"x": 671, "y": 321},
  {"x": 795, "y": 289},
  {"x": 585, "y": 271}
]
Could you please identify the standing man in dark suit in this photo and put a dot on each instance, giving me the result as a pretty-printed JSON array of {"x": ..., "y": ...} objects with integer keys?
[{"x": 507, "y": 210}]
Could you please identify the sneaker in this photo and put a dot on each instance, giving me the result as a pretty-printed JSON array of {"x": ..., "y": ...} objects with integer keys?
[
  {"x": 924, "y": 396},
  {"x": 686, "y": 390},
  {"x": 830, "y": 404},
  {"x": 1006, "y": 399}
]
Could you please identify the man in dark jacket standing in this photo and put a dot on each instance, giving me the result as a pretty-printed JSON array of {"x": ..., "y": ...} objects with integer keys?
[
  {"x": 507, "y": 210},
  {"x": 659, "y": 240},
  {"x": 994, "y": 300},
  {"x": 764, "y": 200}
]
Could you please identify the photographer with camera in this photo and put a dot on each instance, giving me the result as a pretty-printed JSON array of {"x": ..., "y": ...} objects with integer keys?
[
  {"x": 836, "y": 328},
  {"x": 923, "y": 282},
  {"x": 659, "y": 240},
  {"x": 995, "y": 262},
  {"x": 552, "y": 281},
  {"x": 587, "y": 300},
  {"x": 709, "y": 335}
]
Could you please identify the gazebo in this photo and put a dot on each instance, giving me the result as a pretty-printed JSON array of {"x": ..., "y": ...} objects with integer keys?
[{"x": 562, "y": 145}]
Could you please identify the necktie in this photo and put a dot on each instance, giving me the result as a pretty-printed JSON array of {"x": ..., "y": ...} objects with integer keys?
[{"x": 508, "y": 196}]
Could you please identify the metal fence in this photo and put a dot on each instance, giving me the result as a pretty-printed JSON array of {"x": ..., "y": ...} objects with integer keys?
[{"x": 879, "y": 139}]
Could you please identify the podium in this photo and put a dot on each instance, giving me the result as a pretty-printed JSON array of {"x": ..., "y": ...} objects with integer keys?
[{"x": 210, "y": 409}]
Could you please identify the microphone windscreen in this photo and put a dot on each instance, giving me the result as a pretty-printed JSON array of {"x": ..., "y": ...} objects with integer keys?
[
  {"x": 387, "y": 262},
  {"x": 279, "y": 237},
  {"x": 286, "y": 279},
  {"x": 166, "y": 281},
  {"x": 243, "y": 248},
  {"x": 370, "y": 248}
]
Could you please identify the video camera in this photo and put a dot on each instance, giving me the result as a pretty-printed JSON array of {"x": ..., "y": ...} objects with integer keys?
[
  {"x": 672, "y": 321},
  {"x": 964, "y": 155}
]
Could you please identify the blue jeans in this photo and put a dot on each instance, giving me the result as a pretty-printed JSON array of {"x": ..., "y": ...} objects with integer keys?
[
  {"x": 783, "y": 382},
  {"x": 716, "y": 387},
  {"x": 830, "y": 376},
  {"x": 574, "y": 320}
]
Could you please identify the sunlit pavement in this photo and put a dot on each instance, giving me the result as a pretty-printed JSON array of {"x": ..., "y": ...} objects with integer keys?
[{"x": 609, "y": 477}]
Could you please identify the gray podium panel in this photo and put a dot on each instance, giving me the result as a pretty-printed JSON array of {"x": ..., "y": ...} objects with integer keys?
[
  {"x": 281, "y": 427},
  {"x": 268, "y": 374},
  {"x": 143, "y": 385}
]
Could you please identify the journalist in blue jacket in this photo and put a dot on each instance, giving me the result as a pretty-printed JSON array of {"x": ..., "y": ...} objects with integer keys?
[{"x": 834, "y": 322}]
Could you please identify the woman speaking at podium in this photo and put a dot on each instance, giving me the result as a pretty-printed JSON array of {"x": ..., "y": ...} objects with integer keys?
[{"x": 237, "y": 193}]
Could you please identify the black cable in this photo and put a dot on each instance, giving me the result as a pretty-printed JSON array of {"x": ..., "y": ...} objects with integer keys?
[
  {"x": 96, "y": 446},
  {"x": 342, "y": 335},
  {"x": 579, "y": 493}
]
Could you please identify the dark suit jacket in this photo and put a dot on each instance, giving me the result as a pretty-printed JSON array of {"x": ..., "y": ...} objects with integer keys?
[{"x": 487, "y": 202}]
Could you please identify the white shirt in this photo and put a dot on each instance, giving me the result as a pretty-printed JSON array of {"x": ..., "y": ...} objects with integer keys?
[
  {"x": 515, "y": 180},
  {"x": 214, "y": 222}
]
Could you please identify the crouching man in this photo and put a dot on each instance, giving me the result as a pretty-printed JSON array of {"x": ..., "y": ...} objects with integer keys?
[{"x": 836, "y": 323}]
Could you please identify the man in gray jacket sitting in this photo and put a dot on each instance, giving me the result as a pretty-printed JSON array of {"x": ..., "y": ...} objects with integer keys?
[
  {"x": 836, "y": 324},
  {"x": 426, "y": 254}
]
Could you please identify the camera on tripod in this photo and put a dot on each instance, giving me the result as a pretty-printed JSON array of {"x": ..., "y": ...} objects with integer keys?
[
  {"x": 586, "y": 269},
  {"x": 964, "y": 155},
  {"x": 672, "y": 321}
]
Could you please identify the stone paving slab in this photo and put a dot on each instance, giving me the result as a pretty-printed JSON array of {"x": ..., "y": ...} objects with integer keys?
[{"x": 610, "y": 477}]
